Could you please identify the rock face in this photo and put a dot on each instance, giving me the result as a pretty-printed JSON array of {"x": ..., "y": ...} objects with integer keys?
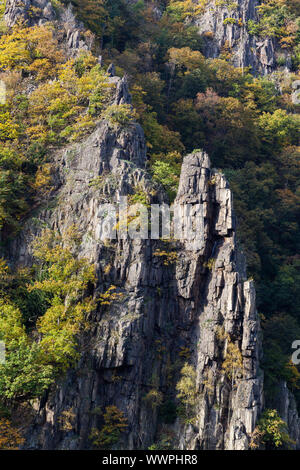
[
  {"x": 285, "y": 403},
  {"x": 30, "y": 11},
  {"x": 39, "y": 12},
  {"x": 220, "y": 300},
  {"x": 226, "y": 27},
  {"x": 191, "y": 308},
  {"x": 195, "y": 306}
]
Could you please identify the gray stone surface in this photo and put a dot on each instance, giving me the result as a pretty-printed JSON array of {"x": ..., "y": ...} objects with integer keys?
[
  {"x": 285, "y": 403},
  {"x": 137, "y": 341},
  {"x": 30, "y": 11},
  {"x": 39, "y": 12},
  {"x": 246, "y": 50}
]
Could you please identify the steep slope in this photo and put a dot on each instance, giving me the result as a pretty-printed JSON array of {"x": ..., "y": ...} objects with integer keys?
[
  {"x": 224, "y": 25},
  {"x": 178, "y": 303},
  {"x": 31, "y": 11},
  {"x": 200, "y": 304},
  {"x": 40, "y": 12}
]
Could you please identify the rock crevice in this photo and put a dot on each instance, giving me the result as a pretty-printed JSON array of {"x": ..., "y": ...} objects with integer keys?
[
  {"x": 165, "y": 308},
  {"x": 224, "y": 28}
]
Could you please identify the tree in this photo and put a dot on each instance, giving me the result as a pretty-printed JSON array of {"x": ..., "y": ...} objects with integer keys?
[
  {"x": 163, "y": 173},
  {"x": 279, "y": 129},
  {"x": 154, "y": 398},
  {"x": 189, "y": 122},
  {"x": 186, "y": 387},
  {"x": 65, "y": 281},
  {"x": 32, "y": 50},
  {"x": 185, "y": 59},
  {"x": 93, "y": 13},
  {"x": 180, "y": 10},
  {"x": 233, "y": 363},
  {"x": 57, "y": 111},
  {"x": 24, "y": 375},
  {"x": 228, "y": 126},
  {"x": 119, "y": 114},
  {"x": 10, "y": 437},
  {"x": 115, "y": 424},
  {"x": 271, "y": 432}
]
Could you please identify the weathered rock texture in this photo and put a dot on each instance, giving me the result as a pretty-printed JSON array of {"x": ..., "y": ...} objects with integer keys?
[
  {"x": 187, "y": 308},
  {"x": 285, "y": 403},
  {"x": 39, "y": 12},
  {"x": 246, "y": 50},
  {"x": 30, "y": 11},
  {"x": 169, "y": 313},
  {"x": 220, "y": 299}
]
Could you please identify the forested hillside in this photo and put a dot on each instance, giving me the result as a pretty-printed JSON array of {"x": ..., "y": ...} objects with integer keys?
[
  {"x": 185, "y": 100},
  {"x": 247, "y": 123}
]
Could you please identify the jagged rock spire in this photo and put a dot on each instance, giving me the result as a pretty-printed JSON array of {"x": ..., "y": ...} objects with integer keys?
[
  {"x": 111, "y": 70},
  {"x": 122, "y": 95},
  {"x": 188, "y": 304}
]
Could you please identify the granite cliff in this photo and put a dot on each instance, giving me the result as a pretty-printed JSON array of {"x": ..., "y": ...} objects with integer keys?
[
  {"x": 199, "y": 303},
  {"x": 218, "y": 32},
  {"x": 164, "y": 309},
  {"x": 196, "y": 307}
]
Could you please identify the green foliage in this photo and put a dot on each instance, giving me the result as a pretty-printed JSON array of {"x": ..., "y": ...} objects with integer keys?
[
  {"x": 62, "y": 280},
  {"x": 153, "y": 398},
  {"x": 92, "y": 12},
  {"x": 180, "y": 10},
  {"x": 31, "y": 50},
  {"x": 210, "y": 263},
  {"x": 187, "y": 392},
  {"x": 229, "y": 21},
  {"x": 183, "y": 101},
  {"x": 65, "y": 280},
  {"x": 279, "y": 129},
  {"x": 163, "y": 173},
  {"x": 70, "y": 104},
  {"x": 168, "y": 412},
  {"x": 13, "y": 185},
  {"x": 24, "y": 375},
  {"x": 114, "y": 425},
  {"x": 226, "y": 3},
  {"x": 280, "y": 332},
  {"x": 233, "y": 363},
  {"x": 11, "y": 325},
  {"x": 67, "y": 100},
  {"x": 139, "y": 197},
  {"x": 119, "y": 114},
  {"x": 2, "y": 10},
  {"x": 169, "y": 257},
  {"x": 277, "y": 18},
  {"x": 273, "y": 431},
  {"x": 166, "y": 442},
  {"x": 110, "y": 296},
  {"x": 10, "y": 436}
]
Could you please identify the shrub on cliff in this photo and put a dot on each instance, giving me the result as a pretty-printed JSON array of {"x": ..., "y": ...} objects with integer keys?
[
  {"x": 271, "y": 432},
  {"x": 114, "y": 425}
]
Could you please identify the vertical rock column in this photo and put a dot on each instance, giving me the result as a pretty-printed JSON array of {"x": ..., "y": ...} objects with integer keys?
[{"x": 224, "y": 309}]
